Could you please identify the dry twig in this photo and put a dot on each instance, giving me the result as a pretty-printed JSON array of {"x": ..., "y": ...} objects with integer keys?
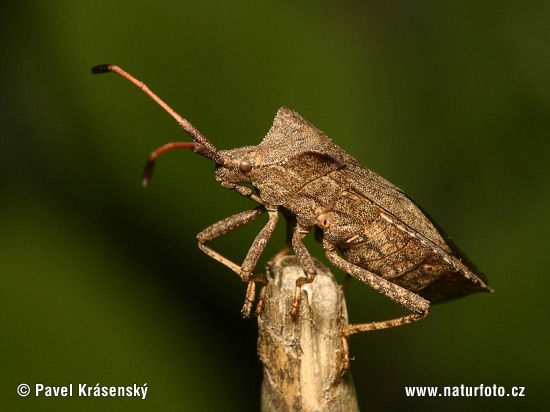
[{"x": 303, "y": 357}]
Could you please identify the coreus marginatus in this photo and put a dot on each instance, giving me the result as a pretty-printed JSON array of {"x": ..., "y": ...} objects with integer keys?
[{"x": 368, "y": 227}]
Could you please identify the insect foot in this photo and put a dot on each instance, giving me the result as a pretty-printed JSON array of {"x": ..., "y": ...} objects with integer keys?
[{"x": 251, "y": 294}]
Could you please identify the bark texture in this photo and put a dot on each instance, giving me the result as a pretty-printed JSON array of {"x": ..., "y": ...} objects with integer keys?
[{"x": 302, "y": 357}]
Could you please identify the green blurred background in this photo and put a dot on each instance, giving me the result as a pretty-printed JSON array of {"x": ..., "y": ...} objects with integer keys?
[{"x": 101, "y": 280}]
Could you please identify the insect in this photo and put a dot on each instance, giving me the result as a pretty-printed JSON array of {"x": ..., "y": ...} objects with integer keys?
[{"x": 368, "y": 227}]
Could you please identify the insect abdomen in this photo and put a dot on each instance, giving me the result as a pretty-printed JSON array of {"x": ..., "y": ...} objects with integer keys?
[{"x": 370, "y": 237}]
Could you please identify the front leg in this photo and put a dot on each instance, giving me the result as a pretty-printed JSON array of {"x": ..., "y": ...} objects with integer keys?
[
  {"x": 258, "y": 245},
  {"x": 224, "y": 227},
  {"x": 243, "y": 191}
]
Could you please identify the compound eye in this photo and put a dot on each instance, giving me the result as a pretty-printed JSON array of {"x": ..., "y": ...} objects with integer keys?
[{"x": 246, "y": 165}]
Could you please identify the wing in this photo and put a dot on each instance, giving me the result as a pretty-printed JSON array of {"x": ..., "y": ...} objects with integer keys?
[
  {"x": 394, "y": 202},
  {"x": 404, "y": 210}
]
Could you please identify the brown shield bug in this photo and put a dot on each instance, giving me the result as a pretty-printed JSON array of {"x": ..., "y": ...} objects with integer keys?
[{"x": 368, "y": 227}]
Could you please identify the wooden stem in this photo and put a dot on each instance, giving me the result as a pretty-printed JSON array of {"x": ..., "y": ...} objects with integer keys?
[{"x": 302, "y": 357}]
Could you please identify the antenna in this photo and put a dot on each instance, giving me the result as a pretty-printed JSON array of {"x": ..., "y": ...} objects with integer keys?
[{"x": 200, "y": 144}]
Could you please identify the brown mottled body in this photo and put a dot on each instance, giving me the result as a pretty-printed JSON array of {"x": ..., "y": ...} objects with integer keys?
[
  {"x": 383, "y": 238},
  {"x": 369, "y": 220},
  {"x": 372, "y": 237}
]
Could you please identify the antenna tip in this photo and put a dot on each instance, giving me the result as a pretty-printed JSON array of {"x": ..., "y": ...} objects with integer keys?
[
  {"x": 102, "y": 68},
  {"x": 147, "y": 173}
]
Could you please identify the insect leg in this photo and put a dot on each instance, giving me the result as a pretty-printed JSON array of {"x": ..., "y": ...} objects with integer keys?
[
  {"x": 245, "y": 270},
  {"x": 307, "y": 264},
  {"x": 345, "y": 283},
  {"x": 290, "y": 224},
  {"x": 251, "y": 260},
  {"x": 224, "y": 227},
  {"x": 243, "y": 191},
  {"x": 398, "y": 294}
]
